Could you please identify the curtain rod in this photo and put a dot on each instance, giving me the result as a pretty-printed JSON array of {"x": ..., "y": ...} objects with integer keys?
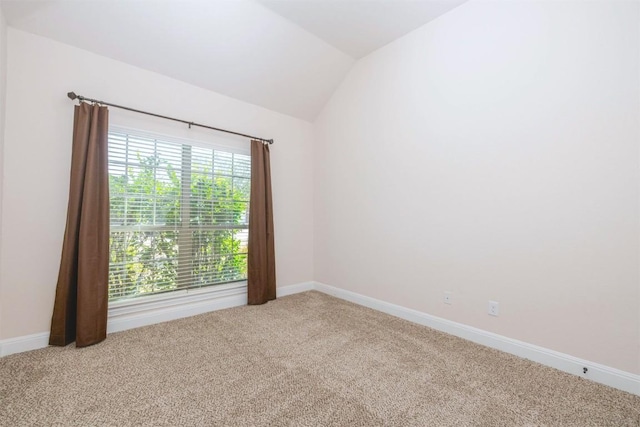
[{"x": 72, "y": 96}]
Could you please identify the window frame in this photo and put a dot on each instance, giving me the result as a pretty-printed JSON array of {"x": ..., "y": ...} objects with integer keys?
[{"x": 175, "y": 298}]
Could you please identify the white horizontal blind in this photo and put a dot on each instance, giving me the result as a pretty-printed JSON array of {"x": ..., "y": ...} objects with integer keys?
[{"x": 179, "y": 215}]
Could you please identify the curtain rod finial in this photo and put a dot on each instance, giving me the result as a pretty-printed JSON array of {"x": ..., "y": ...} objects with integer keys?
[{"x": 72, "y": 95}]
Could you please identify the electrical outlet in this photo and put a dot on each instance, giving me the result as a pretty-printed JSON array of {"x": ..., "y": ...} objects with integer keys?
[
  {"x": 447, "y": 298},
  {"x": 494, "y": 308}
]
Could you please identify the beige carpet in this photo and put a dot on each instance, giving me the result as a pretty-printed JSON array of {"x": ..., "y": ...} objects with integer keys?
[{"x": 303, "y": 360}]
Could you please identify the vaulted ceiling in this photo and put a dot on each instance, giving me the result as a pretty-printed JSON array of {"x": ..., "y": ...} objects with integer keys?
[{"x": 285, "y": 55}]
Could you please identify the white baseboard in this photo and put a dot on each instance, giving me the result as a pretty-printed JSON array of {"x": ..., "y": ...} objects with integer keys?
[
  {"x": 596, "y": 372},
  {"x": 122, "y": 318},
  {"x": 294, "y": 289},
  {"x": 24, "y": 343}
]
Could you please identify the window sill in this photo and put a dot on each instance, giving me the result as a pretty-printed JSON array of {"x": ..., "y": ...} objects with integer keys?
[{"x": 175, "y": 300}]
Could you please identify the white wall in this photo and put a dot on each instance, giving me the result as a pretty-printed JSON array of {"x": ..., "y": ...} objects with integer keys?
[
  {"x": 493, "y": 153},
  {"x": 37, "y": 159},
  {"x": 638, "y": 53},
  {"x": 3, "y": 91}
]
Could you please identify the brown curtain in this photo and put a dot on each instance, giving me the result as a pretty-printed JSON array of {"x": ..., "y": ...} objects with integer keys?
[
  {"x": 261, "y": 278},
  {"x": 80, "y": 309}
]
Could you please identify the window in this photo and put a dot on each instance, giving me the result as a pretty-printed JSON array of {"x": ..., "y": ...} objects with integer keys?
[{"x": 179, "y": 215}]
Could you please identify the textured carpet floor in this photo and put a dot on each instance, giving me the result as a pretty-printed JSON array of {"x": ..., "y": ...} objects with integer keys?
[{"x": 303, "y": 360}]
